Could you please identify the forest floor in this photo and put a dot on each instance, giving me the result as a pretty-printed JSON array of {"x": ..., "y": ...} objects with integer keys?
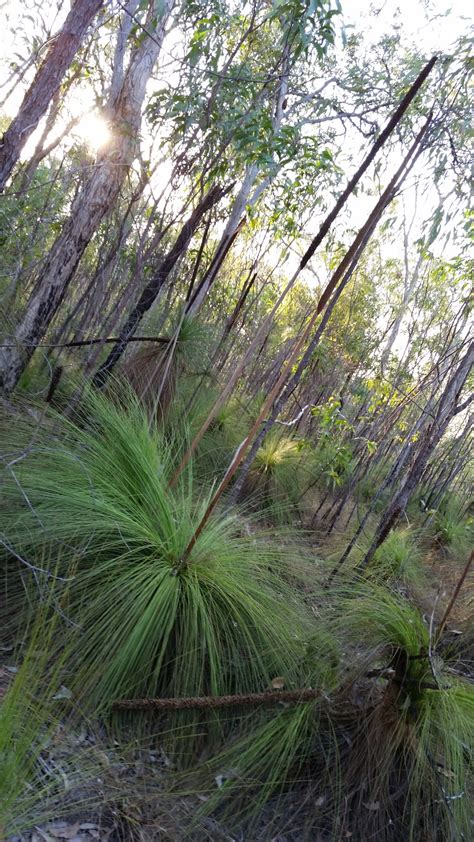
[{"x": 132, "y": 789}]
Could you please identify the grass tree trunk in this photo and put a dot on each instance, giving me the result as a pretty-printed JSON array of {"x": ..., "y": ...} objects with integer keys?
[
  {"x": 46, "y": 83},
  {"x": 91, "y": 204}
]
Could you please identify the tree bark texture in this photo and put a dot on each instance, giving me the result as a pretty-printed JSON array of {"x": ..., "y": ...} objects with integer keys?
[
  {"x": 91, "y": 204},
  {"x": 154, "y": 286},
  {"x": 46, "y": 83}
]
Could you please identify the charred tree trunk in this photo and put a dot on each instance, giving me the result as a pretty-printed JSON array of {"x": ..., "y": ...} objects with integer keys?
[{"x": 155, "y": 285}]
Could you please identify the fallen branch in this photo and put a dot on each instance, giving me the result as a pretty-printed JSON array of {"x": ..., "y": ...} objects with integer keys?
[
  {"x": 268, "y": 697},
  {"x": 80, "y": 343}
]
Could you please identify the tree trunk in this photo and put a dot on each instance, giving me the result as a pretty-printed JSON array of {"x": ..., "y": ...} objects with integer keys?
[
  {"x": 245, "y": 198},
  {"x": 446, "y": 409},
  {"x": 408, "y": 290},
  {"x": 154, "y": 286},
  {"x": 46, "y": 83},
  {"x": 329, "y": 299},
  {"x": 234, "y": 225},
  {"x": 89, "y": 207},
  {"x": 265, "y": 327}
]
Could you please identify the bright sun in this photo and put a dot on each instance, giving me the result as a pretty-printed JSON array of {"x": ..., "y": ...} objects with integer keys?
[{"x": 93, "y": 130}]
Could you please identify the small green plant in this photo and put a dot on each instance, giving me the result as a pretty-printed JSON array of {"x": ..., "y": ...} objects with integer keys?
[
  {"x": 332, "y": 458},
  {"x": 454, "y": 530},
  {"x": 274, "y": 480},
  {"x": 397, "y": 559}
]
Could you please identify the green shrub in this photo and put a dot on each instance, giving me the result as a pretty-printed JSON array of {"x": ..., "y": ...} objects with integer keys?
[
  {"x": 454, "y": 531},
  {"x": 398, "y": 558}
]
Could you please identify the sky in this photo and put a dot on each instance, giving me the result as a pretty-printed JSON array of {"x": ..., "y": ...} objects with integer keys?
[
  {"x": 451, "y": 21},
  {"x": 22, "y": 21}
]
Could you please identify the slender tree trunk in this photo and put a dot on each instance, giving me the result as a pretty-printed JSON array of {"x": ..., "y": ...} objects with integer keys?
[
  {"x": 155, "y": 285},
  {"x": 46, "y": 83},
  {"x": 409, "y": 288},
  {"x": 234, "y": 225},
  {"x": 264, "y": 329},
  {"x": 90, "y": 205},
  {"x": 329, "y": 299},
  {"x": 244, "y": 198},
  {"x": 446, "y": 409}
]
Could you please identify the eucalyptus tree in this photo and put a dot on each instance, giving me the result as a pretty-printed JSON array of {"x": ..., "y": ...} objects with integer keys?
[
  {"x": 94, "y": 200},
  {"x": 265, "y": 141},
  {"x": 223, "y": 54},
  {"x": 46, "y": 83}
]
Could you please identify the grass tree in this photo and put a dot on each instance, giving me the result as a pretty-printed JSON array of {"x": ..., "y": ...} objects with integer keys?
[
  {"x": 384, "y": 753},
  {"x": 152, "y": 621},
  {"x": 275, "y": 477}
]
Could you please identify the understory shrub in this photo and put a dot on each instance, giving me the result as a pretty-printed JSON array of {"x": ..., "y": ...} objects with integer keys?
[{"x": 454, "y": 531}]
